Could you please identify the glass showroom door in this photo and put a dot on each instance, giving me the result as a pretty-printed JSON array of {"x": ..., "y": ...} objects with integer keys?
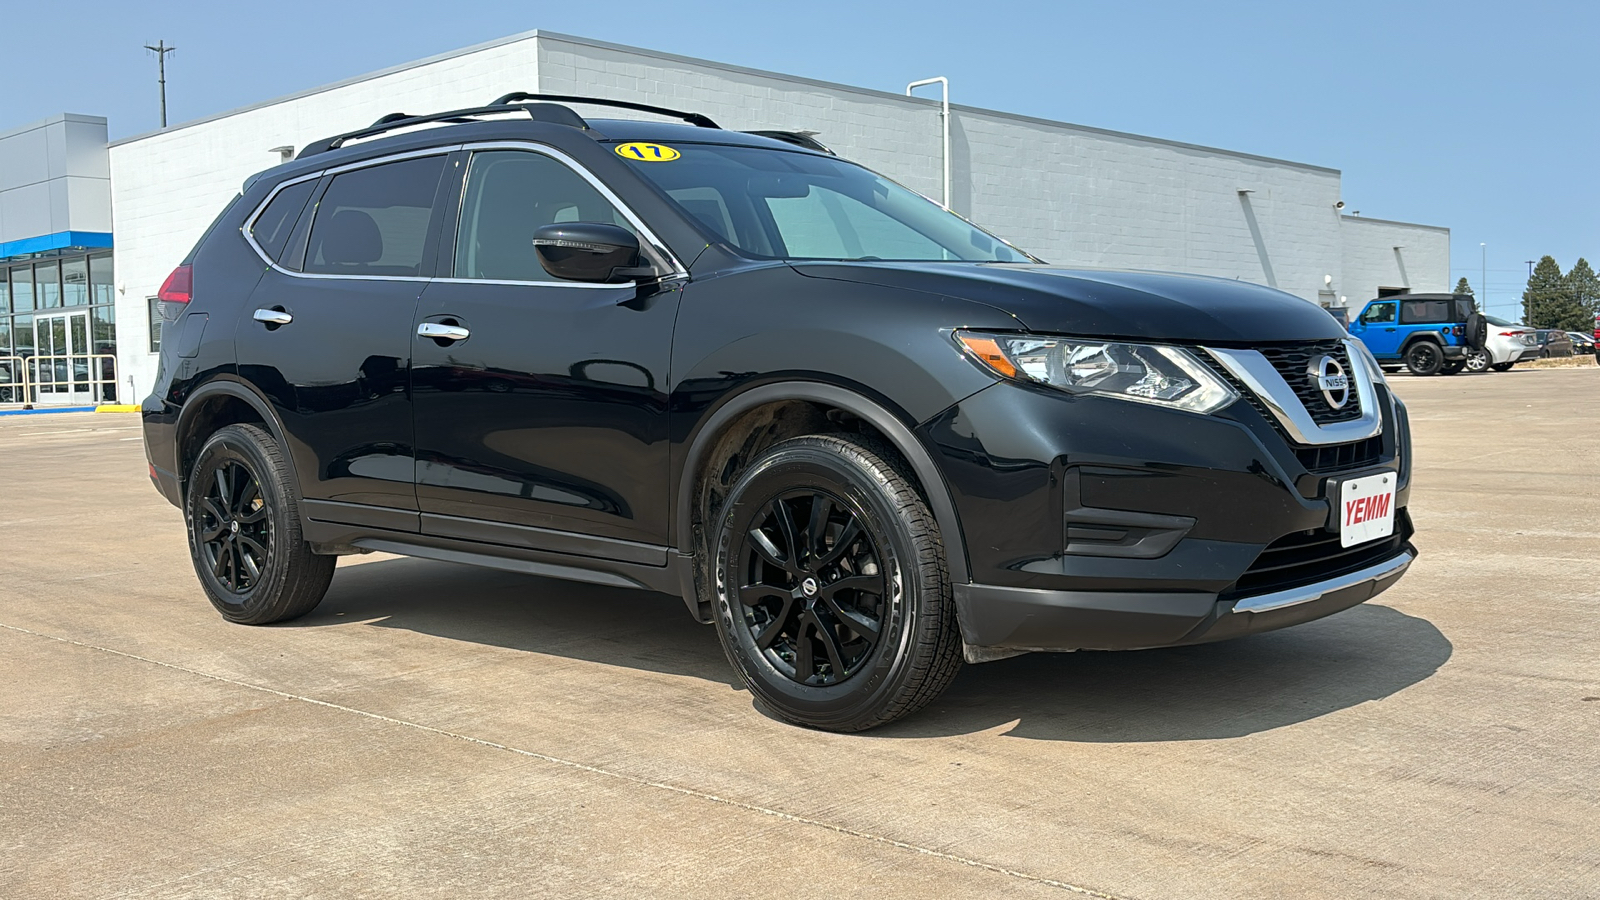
[{"x": 60, "y": 371}]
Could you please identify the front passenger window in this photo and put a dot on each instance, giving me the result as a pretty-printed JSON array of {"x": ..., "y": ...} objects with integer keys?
[{"x": 510, "y": 195}]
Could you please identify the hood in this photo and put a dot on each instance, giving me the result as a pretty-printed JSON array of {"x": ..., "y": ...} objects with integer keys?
[{"x": 1142, "y": 305}]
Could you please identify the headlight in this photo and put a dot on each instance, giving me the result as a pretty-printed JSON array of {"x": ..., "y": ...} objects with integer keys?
[{"x": 1144, "y": 373}]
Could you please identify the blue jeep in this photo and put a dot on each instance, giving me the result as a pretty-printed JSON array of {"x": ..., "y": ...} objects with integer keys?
[{"x": 1427, "y": 333}]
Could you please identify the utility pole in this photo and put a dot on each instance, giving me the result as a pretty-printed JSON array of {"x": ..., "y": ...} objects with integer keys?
[
  {"x": 161, "y": 50},
  {"x": 1483, "y": 277},
  {"x": 1530, "y": 268}
]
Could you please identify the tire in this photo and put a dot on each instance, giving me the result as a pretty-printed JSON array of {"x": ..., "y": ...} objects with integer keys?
[
  {"x": 244, "y": 531},
  {"x": 806, "y": 650},
  {"x": 1452, "y": 367},
  {"x": 1424, "y": 358},
  {"x": 1502, "y": 367},
  {"x": 1477, "y": 361},
  {"x": 1477, "y": 331}
]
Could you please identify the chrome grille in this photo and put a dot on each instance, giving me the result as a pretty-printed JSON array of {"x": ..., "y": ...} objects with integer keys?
[{"x": 1293, "y": 360}]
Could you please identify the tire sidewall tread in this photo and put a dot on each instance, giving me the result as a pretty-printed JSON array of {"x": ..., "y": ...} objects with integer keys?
[{"x": 295, "y": 579}]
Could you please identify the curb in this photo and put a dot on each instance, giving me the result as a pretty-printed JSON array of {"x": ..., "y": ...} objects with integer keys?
[
  {"x": 117, "y": 408},
  {"x": 46, "y": 411}
]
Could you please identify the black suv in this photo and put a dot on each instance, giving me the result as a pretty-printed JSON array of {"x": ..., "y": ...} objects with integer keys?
[{"x": 863, "y": 437}]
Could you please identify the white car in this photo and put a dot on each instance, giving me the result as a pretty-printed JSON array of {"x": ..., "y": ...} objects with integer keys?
[{"x": 1509, "y": 343}]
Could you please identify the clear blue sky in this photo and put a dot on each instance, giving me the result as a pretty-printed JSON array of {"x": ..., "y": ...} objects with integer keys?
[{"x": 1472, "y": 115}]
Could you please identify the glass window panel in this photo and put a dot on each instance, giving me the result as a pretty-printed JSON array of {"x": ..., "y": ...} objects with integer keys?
[
  {"x": 22, "y": 336},
  {"x": 5, "y": 291},
  {"x": 47, "y": 284},
  {"x": 102, "y": 275},
  {"x": 511, "y": 194},
  {"x": 10, "y": 367},
  {"x": 75, "y": 281},
  {"x": 22, "y": 290},
  {"x": 105, "y": 328},
  {"x": 277, "y": 221},
  {"x": 155, "y": 323},
  {"x": 374, "y": 221}
]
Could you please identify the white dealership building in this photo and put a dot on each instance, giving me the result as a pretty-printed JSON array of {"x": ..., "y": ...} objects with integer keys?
[{"x": 1070, "y": 194}]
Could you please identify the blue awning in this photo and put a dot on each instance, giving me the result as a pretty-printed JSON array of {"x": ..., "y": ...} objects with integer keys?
[{"x": 61, "y": 240}]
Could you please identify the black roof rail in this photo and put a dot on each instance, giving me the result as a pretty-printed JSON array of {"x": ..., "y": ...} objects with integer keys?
[
  {"x": 517, "y": 97},
  {"x": 806, "y": 139},
  {"x": 539, "y": 112}
]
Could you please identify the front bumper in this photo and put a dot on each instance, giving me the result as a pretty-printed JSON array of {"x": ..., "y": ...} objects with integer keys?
[
  {"x": 1099, "y": 523},
  {"x": 1022, "y": 619}
]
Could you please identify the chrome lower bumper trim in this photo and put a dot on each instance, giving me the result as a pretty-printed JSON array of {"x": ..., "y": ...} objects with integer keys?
[{"x": 1389, "y": 568}]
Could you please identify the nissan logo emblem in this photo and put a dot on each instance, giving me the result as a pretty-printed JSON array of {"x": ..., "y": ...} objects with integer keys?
[{"x": 1330, "y": 378}]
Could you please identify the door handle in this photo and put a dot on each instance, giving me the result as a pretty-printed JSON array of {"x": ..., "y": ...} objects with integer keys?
[
  {"x": 442, "y": 332},
  {"x": 272, "y": 317},
  {"x": 1388, "y": 329}
]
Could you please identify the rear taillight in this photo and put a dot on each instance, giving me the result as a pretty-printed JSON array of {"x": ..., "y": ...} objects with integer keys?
[
  {"x": 176, "y": 292},
  {"x": 1459, "y": 330},
  {"x": 1511, "y": 334}
]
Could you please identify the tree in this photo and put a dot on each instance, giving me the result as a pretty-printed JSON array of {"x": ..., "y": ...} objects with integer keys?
[
  {"x": 1583, "y": 286},
  {"x": 1547, "y": 302},
  {"x": 1462, "y": 287}
]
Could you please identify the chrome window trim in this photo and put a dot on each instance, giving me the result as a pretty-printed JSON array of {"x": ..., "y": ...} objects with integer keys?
[
  {"x": 679, "y": 270},
  {"x": 1263, "y": 380},
  {"x": 1389, "y": 568},
  {"x": 250, "y": 221}
]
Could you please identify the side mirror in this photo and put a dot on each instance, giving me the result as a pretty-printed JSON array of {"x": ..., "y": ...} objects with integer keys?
[{"x": 589, "y": 251}]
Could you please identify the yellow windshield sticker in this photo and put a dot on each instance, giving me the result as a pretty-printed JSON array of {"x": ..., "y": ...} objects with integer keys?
[{"x": 647, "y": 152}]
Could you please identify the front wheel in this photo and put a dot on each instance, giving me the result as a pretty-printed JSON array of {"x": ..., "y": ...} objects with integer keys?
[
  {"x": 831, "y": 595},
  {"x": 244, "y": 531},
  {"x": 1477, "y": 361},
  {"x": 1424, "y": 358}
]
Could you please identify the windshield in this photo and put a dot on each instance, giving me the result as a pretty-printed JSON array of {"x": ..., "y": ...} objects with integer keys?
[{"x": 781, "y": 205}]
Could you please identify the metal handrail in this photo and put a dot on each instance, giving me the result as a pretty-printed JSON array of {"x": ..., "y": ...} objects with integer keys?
[
  {"x": 14, "y": 388},
  {"x": 100, "y": 372}
]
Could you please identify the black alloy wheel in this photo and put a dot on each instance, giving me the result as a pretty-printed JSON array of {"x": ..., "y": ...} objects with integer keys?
[
  {"x": 235, "y": 527},
  {"x": 244, "y": 530},
  {"x": 814, "y": 591},
  {"x": 828, "y": 584},
  {"x": 1506, "y": 367},
  {"x": 1452, "y": 367},
  {"x": 1424, "y": 358}
]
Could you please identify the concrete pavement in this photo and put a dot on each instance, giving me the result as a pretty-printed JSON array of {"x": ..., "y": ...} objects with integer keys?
[{"x": 436, "y": 730}]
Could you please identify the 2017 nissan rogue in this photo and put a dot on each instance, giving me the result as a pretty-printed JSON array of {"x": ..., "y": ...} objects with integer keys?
[{"x": 861, "y": 436}]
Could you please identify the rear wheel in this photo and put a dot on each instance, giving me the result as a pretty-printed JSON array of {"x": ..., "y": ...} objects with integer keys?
[
  {"x": 244, "y": 531},
  {"x": 1452, "y": 367},
  {"x": 831, "y": 595},
  {"x": 1502, "y": 367},
  {"x": 1424, "y": 358}
]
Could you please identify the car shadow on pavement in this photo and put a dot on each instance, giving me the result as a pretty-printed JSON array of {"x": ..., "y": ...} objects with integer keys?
[
  {"x": 1205, "y": 692},
  {"x": 610, "y": 625}
]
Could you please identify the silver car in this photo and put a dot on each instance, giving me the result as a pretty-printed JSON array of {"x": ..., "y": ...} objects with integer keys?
[{"x": 1509, "y": 343}]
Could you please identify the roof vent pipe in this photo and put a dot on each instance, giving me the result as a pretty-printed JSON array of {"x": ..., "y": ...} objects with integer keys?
[{"x": 944, "y": 115}]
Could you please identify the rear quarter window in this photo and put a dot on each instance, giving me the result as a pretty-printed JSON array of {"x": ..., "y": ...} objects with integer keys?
[
  {"x": 1421, "y": 312},
  {"x": 276, "y": 222}
]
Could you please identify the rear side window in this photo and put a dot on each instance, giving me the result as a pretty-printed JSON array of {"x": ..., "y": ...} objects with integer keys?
[
  {"x": 1415, "y": 312},
  {"x": 374, "y": 221},
  {"x": 277, "y": 221}
]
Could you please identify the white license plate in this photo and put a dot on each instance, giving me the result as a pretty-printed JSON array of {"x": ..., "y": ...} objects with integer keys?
[{"x": 1366, "y": 509}]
